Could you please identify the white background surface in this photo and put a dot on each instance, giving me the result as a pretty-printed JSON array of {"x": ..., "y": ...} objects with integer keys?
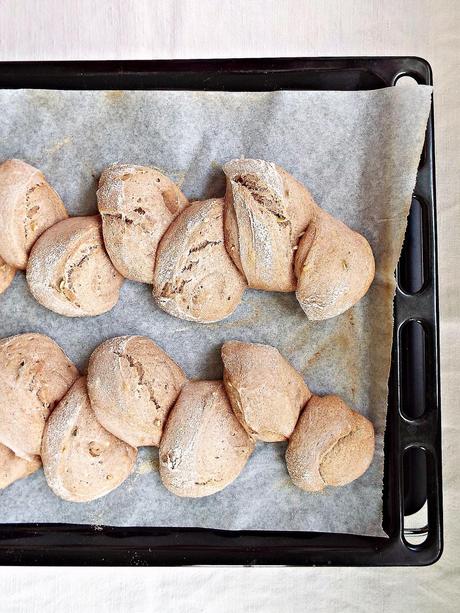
[{"x": 90, "y": 29}]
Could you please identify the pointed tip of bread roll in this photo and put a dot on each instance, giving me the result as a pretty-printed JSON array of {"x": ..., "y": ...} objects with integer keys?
[{"x": 14, "y": 468}]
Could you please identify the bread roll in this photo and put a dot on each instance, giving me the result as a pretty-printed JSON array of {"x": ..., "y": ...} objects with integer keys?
[
  {"x": 334, "y": 267},
  {"x": 81, "y": 460},
  {"x": 13, "y": 468},
  {"x": 132, "y": 384},
  {"x": 28, "y": 206},
  {"x": 7, "y": 273},
  {"x": 34, "y": 375},
  {"x": 204, "y": 447},
  {"x": 331, "y": 445},
  {"x": 265, "y": 391},
  {"x": 69, "y": 271},
  {"x": 266, "y": 211},
  {"x": 137, "y": 204},
  {"x": 194, "y": 277}
]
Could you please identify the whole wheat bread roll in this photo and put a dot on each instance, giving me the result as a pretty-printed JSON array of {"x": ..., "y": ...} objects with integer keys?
[
  {"x": 265, "y": 391},
  {"x": 34, "y": 375},
  {"x": 204, "y": 447},
  {"x": 13, "y": 468},
  {"x": 132, "y": 385},
  {"x": 81, "y": 460},
  {"x": 194, "y": 277},
  {"x": 7, "y": 273},
  {"x": 69, "y": 271},
  {"x": 331, "y": 445},
  {"x": 137, "y": 204},
  {"x": 334, "y": 267},
  {"x": 28, "y": 206},
  {"x": 266, "y": 211}
]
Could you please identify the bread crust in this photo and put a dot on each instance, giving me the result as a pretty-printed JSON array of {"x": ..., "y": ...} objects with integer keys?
[
  {"x": 137, "y": 205},
  {"x": 334, "y": 266},
  {"x": 28, "y": 206},
  {"x": 265, "y": 391},
  {"x": 13, "y": 468},
  {"x": 132, "y": 384},
  {"x": 204, "y": 447},
  {"x": 34, "y": 375},
  {"x": 81, "y": 460},
  {"x": 331, "y": 445},
  {"x": 195, "y": 279},
  {"x": 69, "y": 271},
  {"x": 266, "y": 211},
  {"x": 7, "y": 273}
]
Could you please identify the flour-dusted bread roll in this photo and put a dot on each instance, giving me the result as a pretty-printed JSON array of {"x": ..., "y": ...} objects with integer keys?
[
  {"x": 13, "y": 468},
  {"x": 334, "y": 267},
  {"x": 7, "y": 273},
  {"x": 81, "y": 460},
  {"x": 266, "y": 211},
  {"x": 204, "y": 447},
  {"x": 69, "y": 271},
  {"x": 132, "y": 384},
  {"x": 137, "y": 204},
  {"x": 194, "y": 277},
  {"x": 34, "y": 375},
  {"x": 265, "y": 391},
  {"x": 28, "y": 206},
  {"x": 331, "y": 445}
]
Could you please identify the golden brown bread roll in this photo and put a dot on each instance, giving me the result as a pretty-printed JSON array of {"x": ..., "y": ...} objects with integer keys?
[
  {"x": 69, "y": 271},
  {"x": 28, "y": 206},
  {"x": 7, "y": 273},
  {"x": 132, "y": 385},
  {"x": 137, "y": 204},
  {"x": 81, "y": 460},
  {"x": 13, "y": 468},
  {"x": 34, "y": 375},
  {"x": 266, "y": 211},
  {"x": 265, "y": 391},
  {"x": 334, "y": 267},
  {"x": 194, "y": 277},
  {"x": 331, "y": 445},
  {"x": 204, "y": 447}
]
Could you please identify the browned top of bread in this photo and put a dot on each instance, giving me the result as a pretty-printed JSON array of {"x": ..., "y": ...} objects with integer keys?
[
  {"x": 334, "y": 267},
  {"x": 137, "y": 204},
  {"x": 204, "y": 447},
  {"x": 69, "y": 271},
  {"x": 194, "y": 277},
  {"x": 331, "y": 445},
  {"x": 13, "y": 468},
  {"x": 28, "y": 206},
  {"x": 81, "y": 460},
  {"x": 132, "y": 384},
  {"x": 266, "y": 392},
  {"x": 7, "y": 273},
  {"x": 34, "y": 375},
  {"x": 266, "y": 211}
]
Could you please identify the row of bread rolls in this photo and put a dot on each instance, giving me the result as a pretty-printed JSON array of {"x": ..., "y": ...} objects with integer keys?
[
  {"x": 267, "y": 233},
  {"x": 86, "y": 430}
]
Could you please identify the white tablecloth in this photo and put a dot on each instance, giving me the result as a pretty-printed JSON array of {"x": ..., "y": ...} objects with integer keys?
[{"x": 105, "y": 29}]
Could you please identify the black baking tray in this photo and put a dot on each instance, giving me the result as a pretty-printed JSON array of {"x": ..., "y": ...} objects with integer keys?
[{"x": 413, "y": 435}]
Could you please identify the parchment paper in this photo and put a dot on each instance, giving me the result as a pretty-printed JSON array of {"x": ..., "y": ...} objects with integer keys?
[{"x": 357, "y": 152}]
